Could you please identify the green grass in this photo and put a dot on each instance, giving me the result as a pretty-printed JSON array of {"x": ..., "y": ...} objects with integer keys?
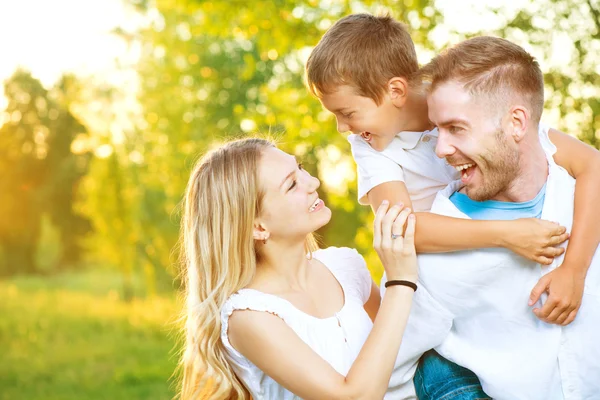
[{"x": 71, "y": 337}]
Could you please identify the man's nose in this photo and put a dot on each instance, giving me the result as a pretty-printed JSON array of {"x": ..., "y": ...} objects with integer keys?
[{"x": 443, "y": 148}]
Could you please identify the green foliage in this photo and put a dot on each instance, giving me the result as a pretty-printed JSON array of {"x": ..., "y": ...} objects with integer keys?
[
  {"x": 211, "y": 71},
  {"x": 70, "y": 337},
  {"x": 38, "y": 171},
  {"x": 565, "y": 36}
]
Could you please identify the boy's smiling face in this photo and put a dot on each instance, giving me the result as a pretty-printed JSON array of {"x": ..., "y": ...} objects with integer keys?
[{"x": 377, "y": 124}]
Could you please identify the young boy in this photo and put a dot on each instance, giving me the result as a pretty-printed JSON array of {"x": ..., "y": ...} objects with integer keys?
[{"x": 364, "y": 70}]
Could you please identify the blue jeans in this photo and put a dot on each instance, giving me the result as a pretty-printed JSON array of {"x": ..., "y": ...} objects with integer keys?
[{"x": 440, "y": 379}]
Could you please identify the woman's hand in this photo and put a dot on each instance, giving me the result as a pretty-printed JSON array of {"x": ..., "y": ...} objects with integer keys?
[
  {"x": 394, "y": 244},
  {"x": 535, "y": 239}
]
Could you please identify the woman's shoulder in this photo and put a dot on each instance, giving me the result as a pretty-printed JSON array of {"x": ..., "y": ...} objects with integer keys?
[
  {"x": 349, "y": 267},
  {"x": 334, "y": 254}
]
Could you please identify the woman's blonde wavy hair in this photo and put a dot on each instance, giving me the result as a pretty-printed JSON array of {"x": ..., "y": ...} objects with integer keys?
[{"x": 219, "y": 257}]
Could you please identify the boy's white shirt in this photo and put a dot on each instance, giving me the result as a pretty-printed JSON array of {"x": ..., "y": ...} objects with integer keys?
[
  {"x": 410, "y": 158},
  {"x": 471, "y": 306}
]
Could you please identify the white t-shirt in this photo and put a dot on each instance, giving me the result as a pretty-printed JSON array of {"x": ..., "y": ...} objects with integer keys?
[
  {"x": 471, "y": 307},
  {"x": 409, "y": 158},
  {"x": 337, "y": 339}
]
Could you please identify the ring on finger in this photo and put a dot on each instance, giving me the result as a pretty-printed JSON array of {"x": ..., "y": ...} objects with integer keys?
[{"x": 394, "y": 236}]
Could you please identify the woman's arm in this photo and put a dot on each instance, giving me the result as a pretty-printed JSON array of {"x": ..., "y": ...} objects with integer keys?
[
  {"x": 529, "y": 237},
  {"x": 272, "y": 346},
  {"x": 565, "y": 284}
]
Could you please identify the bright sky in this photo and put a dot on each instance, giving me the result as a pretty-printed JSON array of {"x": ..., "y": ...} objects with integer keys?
[
  {"x": 49, "y": 38},
  {"x": 52, "y": 37}
]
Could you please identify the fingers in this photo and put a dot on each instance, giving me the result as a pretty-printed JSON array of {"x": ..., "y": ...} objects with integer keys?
[
  {"x": 548, "y": 314},
  {"x": 386, "y": 226},
  {"x": 555, "y": 311},
  {"x": 558, "y": 239},
  {"x": 381, "y": 210},
  {"x": 559, "y": 230},
  {"x": 547, "y": 254},
  {"x": 409, "y": 233},
  {"x": 544, "y": 260},
  {"x": 570, "y": 318},
  {"x": 552, "y": 252},
  {"x": 398, "y": 229},
  {"x": 560, "y": 320},
  {"x": 538, "y": 289}
]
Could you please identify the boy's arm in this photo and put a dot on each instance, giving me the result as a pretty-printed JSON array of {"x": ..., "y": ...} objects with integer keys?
[
  {"x": 529, "y": 237},
  {"x": 373, "y": 303},
  {"x": 565, "y": 284}
]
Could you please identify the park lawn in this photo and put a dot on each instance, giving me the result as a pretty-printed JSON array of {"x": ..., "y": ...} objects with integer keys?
[{"x": 70, "y": 337}]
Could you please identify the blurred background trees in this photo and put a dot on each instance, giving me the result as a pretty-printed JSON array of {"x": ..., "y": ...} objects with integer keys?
[
  {"x": 209, "y": 71},
  {"x": 92, "y": 172},
  {"x": 39, "y": 175}
]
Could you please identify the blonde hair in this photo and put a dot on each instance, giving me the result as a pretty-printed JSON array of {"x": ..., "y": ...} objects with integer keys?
[
  {"x": 363, "y": 51},
  {"x": 223, "y": 199},
  {"x": 491, "y": 67}
]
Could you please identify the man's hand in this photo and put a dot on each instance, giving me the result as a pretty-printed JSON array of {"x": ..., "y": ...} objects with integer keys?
[{"x": 565, "y": 290}]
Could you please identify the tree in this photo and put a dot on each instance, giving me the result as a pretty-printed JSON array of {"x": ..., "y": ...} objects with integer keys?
[
  {"x": 212, "y": 70},
  {"x": 38, "y": 172}
]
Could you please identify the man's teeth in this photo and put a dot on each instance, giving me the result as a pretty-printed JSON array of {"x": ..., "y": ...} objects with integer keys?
[
  {"x": 312, "y": 208},
  {"x": 464, "y": 166}
]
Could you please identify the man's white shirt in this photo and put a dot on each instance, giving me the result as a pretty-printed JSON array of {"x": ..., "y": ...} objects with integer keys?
[{"x": 472, "y": 307}]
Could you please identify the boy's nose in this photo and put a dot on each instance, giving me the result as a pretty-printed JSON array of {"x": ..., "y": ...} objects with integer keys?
[{"x": 342, "y": 127}]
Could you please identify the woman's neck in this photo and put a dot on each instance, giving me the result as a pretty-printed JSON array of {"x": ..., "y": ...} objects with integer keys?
[{"x": 281, "y": 267}]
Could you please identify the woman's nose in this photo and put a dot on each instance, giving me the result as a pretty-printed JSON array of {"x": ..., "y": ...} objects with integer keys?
[{"x": 312, "y": 183}]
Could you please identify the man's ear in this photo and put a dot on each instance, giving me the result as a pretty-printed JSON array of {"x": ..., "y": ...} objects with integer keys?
[
  {"x": 519, "y": 118},
  {"x": 398, "y": 91},
  {"x": 260, "y": 232}
]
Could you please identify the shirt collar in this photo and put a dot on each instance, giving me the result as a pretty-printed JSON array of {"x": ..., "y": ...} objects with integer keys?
[{"x": 408, "y": 140}]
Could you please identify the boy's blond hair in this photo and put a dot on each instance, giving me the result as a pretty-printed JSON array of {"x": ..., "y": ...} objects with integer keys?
[
  {"x": 492, "y": 67},
  {"x": 363, "y": 51}
]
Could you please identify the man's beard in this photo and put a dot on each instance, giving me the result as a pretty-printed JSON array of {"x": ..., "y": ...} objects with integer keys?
[{"x": 499, "y": 167}]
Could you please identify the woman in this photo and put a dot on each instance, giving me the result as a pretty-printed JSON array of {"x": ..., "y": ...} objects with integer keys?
[{"x": 269, "y": 316}]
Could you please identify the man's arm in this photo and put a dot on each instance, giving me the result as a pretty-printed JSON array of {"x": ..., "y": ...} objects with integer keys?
[{"x": 565, "y": 284}]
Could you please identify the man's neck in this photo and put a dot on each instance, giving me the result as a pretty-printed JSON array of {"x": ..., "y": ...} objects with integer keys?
[{"x": 533, "y": 173}]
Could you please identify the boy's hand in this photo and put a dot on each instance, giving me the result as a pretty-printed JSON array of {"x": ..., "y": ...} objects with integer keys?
[
  {"x": 565, "y": 290},
  {"x": 536, "y": 239}
]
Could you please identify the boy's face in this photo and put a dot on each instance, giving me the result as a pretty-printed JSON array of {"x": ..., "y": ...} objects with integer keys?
[{"x": 377, "y": 124}]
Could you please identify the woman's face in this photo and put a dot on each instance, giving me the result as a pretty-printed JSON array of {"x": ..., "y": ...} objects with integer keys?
[{"x": 291, "y": 207}]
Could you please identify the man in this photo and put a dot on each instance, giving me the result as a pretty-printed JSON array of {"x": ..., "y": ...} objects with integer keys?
[{"x": 486, "y": 98}]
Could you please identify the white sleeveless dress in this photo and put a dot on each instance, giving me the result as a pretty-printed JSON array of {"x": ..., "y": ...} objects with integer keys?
[{"x": 337, "y": 339}]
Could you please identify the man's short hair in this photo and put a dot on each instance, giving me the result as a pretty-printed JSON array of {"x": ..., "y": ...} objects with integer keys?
[
  {"x": 491, "y": 67},
  {"x": 363, "y": 51}
]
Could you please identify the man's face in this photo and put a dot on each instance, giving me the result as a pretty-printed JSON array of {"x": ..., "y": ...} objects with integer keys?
[
  {"x": 377, "y": 124},
  {"x": 472, "y": 139}
]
